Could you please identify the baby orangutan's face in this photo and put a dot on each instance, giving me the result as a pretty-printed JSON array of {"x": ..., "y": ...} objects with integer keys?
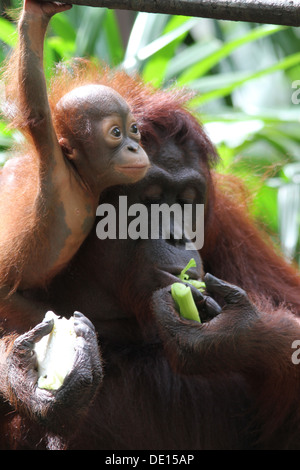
[{"x": 112, "y": 147}]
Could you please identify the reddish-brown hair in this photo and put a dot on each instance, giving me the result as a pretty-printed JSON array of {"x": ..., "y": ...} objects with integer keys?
[
  {"x": 155, "y": 110},
  {"x": 234, "y": 250}
]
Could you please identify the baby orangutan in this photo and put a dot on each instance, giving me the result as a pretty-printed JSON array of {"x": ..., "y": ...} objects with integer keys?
[{"x": 49, "y": 197}]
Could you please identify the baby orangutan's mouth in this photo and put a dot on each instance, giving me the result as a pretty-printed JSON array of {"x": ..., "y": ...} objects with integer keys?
[
  {"x": 139, "y": 170},
  {"x": 137, "y": 167}
]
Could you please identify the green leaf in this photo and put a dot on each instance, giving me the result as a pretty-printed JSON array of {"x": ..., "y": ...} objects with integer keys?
[
  {"x": 233, "y": 83},
  {"x": 113, "y": 38},
  {"x": 189, "y": 56},
  {"x": 5, "y": 141},
  {"x": 211, "y": 60},
  {"x": 89, "y": 31},
  {"x": 63, "y": 28},
  {"x": 167, "y": 39},
  {"x": 146, "y": 28},
  {"x": 265, "y": 208},
  {"x": 64, "y": 49},
  {"x": 269, "y": 115},
  {"x": 8, "y": 33},
  {"x": 155, "y": 52},
  {"x": 162, "y": 49},
  {"x": 49, "y": 60}
]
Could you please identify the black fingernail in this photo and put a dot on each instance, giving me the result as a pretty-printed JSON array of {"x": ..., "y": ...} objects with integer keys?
[{"x": 209, "y": 277}]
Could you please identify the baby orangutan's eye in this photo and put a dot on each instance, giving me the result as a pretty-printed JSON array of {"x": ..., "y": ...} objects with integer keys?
[
  {"x": 134, "y": 129},
  {"x": 116, "y": 132}
]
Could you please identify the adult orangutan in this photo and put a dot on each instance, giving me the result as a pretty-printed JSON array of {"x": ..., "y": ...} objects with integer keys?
[{"x": 143, "y": 377}]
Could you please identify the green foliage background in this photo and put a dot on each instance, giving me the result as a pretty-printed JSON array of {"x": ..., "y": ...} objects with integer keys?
[{"x": 247, "y": 77}]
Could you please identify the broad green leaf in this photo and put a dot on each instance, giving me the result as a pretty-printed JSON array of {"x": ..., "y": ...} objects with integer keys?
[
  {"x": 147, "y": 27},
  {"x": 212, "y": 83},
  {"x": 89, "y": 31},
  {"x": 211, "y": 60},
  {"x": 113, "y": 38},
  {"x": 234, "y": 83},
  {"x": 8, "y": 33},
  {"x": 4, "y": 131},
  {"x": 227, "y": 158},
  {"x": 289, "y": 148},
  {"x": 64, "y": 49},
  {"x": 190, "y": 56},
  {"x": 63, "y": 28},
  {"x": 265, "y": 208},
  {"x": 49, "y": 60},
  {"x": 270, "y": 115},
  {"x": 162, "y": 50},
  {"x": 5, "y": 141},
  {"x": 166, "y": 39}
]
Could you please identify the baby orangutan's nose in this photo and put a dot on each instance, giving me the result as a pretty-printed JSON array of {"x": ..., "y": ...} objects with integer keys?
[{"x": 133, "y": 147}]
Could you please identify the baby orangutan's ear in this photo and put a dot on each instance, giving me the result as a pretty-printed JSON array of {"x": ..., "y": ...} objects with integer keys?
[{"x": 67, "y": 148}]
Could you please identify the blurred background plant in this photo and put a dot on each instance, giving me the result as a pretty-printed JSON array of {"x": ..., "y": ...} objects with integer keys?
[{"x": 247, "y": 77}]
